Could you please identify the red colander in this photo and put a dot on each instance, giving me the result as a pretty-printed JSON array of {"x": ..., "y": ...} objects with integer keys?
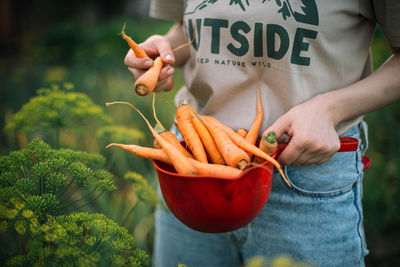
[{"x": 216, "y": 204}]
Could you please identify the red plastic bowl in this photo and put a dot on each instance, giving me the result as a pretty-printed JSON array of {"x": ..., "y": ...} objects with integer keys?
[{"x": 214, "y": 204}]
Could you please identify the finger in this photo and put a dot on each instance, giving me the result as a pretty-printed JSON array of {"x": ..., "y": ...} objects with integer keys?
[
  {"x": 165, "y": 50},
  {"x": 131, "y": 61},
  {"x": 324, "y": 159},
  {"x": 166, "y": 72},
  {"x": 165, "y": 85},
  {"x": 291, "y": 153},
  {"x": 280, "y": 126},
  {"x": 304, "y": 158},
  {"x": 136, "y": 72}
]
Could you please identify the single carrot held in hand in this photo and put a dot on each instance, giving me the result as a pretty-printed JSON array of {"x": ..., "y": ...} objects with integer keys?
[
  {"x": 189, "y": 133},
  {"x": 242, "y": 132},
  {"x": 233, "y": 155},
  {"x": 244, "y": 144},
  {"x": 139, "y": 52},
  {"x": 160, "y": 155},
  {"x": 181, "y": 163},
  {"x": 208, "y": 141},
  {"x": 146, "y": 83}
]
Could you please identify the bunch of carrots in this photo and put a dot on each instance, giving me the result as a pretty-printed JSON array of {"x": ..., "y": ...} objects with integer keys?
[{"x": 215, "y": 149}]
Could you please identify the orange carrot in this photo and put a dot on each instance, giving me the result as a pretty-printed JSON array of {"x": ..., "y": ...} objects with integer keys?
[
  {"x": 146, "y": 83},
  {"x": 233, "y": 155},
  {"x": 244, "y": 144},
  {"x": 242, "y": 132},
  {"x": 252, "y": 135},
  {"x": 178, "y": 160},
  {"x": 139, "y": 52},
  {"x": 208, "y": 141},
  {"x": 189, "y": 133},
  {"x": 159, "y": 154},
  {"x": 144, "y": 152},
  {"x": 268, "y": 143},
  {"x": 215, "y": 169},
  {"x": 170, "y": 137}
]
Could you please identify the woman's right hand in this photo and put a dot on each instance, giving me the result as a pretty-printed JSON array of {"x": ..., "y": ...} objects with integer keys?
[{"x": 154, "y": 46}]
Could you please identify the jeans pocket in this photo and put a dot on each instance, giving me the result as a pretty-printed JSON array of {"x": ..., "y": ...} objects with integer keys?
[{"x": 332, "y": 178}]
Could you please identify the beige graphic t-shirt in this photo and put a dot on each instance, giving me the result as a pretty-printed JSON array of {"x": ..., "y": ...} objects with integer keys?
[{"x": 308, "y": 47}]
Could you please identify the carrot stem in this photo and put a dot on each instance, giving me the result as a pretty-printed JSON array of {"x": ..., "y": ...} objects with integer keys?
[{"x": 154, "y": 111}]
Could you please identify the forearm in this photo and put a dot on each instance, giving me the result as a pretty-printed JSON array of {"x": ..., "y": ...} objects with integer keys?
[
  {"x": 177, "y": 37},
  {"x": 379, "y": 89}
]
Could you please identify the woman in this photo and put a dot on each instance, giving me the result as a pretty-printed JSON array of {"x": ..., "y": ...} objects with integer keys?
[{"x": 317, "y": 85}]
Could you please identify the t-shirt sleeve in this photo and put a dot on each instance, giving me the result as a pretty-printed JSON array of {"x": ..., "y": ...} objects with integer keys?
[
  {"x": 167, "y": 9},
  {"x": 387, "y": 14}
]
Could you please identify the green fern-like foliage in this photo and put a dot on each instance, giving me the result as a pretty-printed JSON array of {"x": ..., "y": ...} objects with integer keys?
[
  {"x": 55, "y": 109},
  {"x": 51, "y": 182},
  {"x": 78, "y": 239},
  {"x": 40, "y": 190}
]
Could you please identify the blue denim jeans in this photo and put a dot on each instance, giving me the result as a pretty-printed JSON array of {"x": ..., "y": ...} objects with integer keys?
[{"x": 318, "y": 221}]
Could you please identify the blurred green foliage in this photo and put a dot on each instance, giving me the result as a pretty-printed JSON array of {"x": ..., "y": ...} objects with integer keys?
[
  {"x": 40, "y": 188},
  {"x": 58, "y": 109},
  {"x": 381, "y": 197},
  {"x": 279, "y": 261},
  {"x": 90, "y": 55}
]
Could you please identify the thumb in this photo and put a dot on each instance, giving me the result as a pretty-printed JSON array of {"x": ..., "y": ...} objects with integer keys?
[{"x": 280, "y": 126}]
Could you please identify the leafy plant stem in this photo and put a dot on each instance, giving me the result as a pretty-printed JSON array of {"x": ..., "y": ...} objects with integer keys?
[{"x": 129, "y": 213}]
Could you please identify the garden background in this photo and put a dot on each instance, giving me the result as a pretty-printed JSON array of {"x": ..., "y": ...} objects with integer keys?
[{"x": 72, "y": 47}]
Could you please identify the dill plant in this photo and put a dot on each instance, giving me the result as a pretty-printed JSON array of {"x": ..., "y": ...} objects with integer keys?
[
  {"x": 40, "y": 191},
  {"x": 79, "y": 239},
  {"x": 55, "y": 110}
]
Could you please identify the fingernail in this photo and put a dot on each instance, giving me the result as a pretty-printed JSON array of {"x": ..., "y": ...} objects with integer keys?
[
  {"x": 170, "y": 71},
  {"x": 148, "y": 63},
  {"x": 169, "y": 57}
]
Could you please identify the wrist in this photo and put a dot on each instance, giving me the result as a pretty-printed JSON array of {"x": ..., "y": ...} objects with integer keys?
[
  {"x": 176, "y": 38},
  {"x": 330, "y": 107}
]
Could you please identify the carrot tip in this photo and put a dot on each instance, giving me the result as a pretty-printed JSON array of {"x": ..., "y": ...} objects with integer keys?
[
  {"x": 123, "y": 29},
  {"x": 110, "y": 145}
]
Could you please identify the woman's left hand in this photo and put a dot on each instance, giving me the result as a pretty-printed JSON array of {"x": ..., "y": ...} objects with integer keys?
[{"x": 310, "y": 127}]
